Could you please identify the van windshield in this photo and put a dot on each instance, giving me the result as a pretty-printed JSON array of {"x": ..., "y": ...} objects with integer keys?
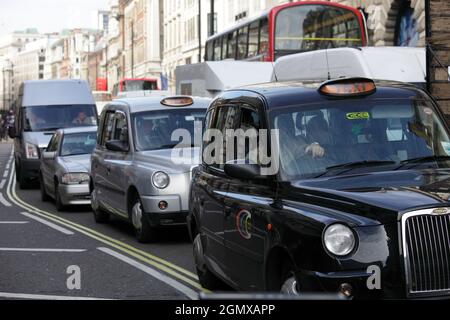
[
  {"x": 360, "y": 136},
  {"x": 50, "y": 118}
]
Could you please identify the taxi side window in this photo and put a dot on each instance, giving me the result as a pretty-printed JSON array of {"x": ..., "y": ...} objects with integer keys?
[
  {"x": 120, "y": 128},
  {"x": 107, "y": 128},
  {"x": 221, "y": 118},
  {"x": 249, "y": 122}
]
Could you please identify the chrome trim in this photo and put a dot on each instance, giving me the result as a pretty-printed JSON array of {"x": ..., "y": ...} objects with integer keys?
[{"x": 404, "y": 251}]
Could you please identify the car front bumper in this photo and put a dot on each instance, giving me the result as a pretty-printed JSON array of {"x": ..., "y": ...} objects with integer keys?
[
  {"x": 174, "y": 214},
  {"x": 78, "y": 194}
]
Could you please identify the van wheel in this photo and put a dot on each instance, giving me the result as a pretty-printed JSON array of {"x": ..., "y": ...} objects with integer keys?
[
  {"x": 44, "y": 195},
  {"x": 23, "y": 182},
  {"x": 206, "y": 278},
  {"x": 145, "y": 233},
  {"x": 59, "y": 205}
]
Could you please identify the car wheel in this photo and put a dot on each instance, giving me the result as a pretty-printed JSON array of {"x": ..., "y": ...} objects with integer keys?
[
  {"x": 23, "y": 182},
  {"x": 145, "y": 233},
  {"x": 289, "y": 282},
  {"x": 206, "y": 278},
  {"x": 100, "y": 216},
  {"x": 44, "y": 195},
  {"x": 59, "y": 205}
]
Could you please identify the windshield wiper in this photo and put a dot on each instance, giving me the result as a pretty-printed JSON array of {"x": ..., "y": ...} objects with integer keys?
[
  {"x": 356, "y": 164},
  {"x": 420, "y": 160}
]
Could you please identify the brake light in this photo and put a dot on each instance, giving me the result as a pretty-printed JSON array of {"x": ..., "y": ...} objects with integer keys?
[
  {"x": 348, "y": 87},
  {"x": 181, "y": 101}
]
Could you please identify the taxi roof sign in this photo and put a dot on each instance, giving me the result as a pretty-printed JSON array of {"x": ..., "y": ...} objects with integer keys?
[
  {"x": 348, "y": 87},
  {"x": 178, "y": 101}
]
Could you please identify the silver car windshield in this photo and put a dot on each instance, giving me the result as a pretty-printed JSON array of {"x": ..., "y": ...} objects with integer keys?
[
  {"x": 78, "y": 143},
  {"x": 153, "y": 130},
  {"x": 359, "y": 134}
]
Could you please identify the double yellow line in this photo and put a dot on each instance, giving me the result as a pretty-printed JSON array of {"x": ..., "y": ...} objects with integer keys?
[{"x": 171, "y": 269}]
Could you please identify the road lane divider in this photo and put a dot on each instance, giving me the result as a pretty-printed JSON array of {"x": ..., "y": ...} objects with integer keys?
[
  {"x": 3, "y": 201},
  {"x": 14, "y": 222},
  {"x": 25, "y": 296},
  {"x": 42, "y": 250},
  {"x": 167, "y": 267},
  {"x": 47, "y": 223},
  {"x": 191, "y": 294}
]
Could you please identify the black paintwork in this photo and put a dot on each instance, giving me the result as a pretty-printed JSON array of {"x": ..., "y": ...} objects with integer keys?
[{"x": 299, "y": 211}]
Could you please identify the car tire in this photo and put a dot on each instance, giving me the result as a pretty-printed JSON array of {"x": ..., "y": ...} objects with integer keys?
[
  {"x": 145, "y": 233},
  {"x": 59, "y": 205},
  {"x": 24, "y": 184},
  {"x": 207, "y": 279},
  {"x": 44, "y": 195},
  {"x": 289, "y": 284},
  {"x": 100, "y": 216}
]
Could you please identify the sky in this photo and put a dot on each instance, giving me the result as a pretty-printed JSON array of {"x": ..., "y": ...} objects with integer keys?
[{"x": 47, "y": 15}]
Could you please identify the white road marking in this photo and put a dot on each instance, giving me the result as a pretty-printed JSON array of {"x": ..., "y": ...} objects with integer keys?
[
  {"x": 13, "y": 222},
  {"x": 3, "y": 201},
  {"x": 2, "y": 184},
  {"x": 47, "y": 223},
  {"x": 41, "y": 250},
  {"x": 43, "y": 297},
  {"x": 191, "y": 294},
  {"x": 6, "y": 174}
]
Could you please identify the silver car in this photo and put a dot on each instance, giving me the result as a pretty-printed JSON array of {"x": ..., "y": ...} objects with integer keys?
[
  {"x": 134, "y": 173},
  {"x": 65, "y": 167}
]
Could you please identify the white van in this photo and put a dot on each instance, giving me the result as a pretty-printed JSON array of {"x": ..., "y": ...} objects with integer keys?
[
  {"x": 43, "y": 107},
  {"x": 382, "y": 63}
]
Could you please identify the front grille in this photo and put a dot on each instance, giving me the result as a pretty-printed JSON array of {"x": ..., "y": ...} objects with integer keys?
[{"x": 426, "y": 245}]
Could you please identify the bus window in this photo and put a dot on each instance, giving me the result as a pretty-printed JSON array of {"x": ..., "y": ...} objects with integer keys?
[
  {"x": 314, "y": 27},
  {"x": 264, "y": 37},
  {"x": 232, "y": 42},
  {"x": 253, "y": 35},
  {"x": 209, "y": 51},
  {"x": 224, "y": 46},
  {"x": 218, "y": 49},
  {"x": 242, "y": 43}
]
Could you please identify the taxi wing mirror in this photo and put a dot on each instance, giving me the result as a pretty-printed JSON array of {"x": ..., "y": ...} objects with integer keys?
[
  {"x": 48, "y": 155},
  {"x": 244, "y": 171},
  {"x": 117, "y": 145}
]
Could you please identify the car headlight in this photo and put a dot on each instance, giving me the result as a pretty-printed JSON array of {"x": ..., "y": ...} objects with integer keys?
[
  {"x": 31, "y": 151},
  {"x": 339, "y": 239},
  {"x": 160, "y": 180},
  {"x": 75, "y": 178}
]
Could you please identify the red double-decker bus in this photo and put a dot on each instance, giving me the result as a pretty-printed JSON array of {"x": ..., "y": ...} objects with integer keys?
[
  {"x": 135, "y": 84},
  {"x": 289, "y": 28}
]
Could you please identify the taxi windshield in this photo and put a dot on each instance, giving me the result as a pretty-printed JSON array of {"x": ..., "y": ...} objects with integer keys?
[
  {"x": 154, "y": 129},
  {"x": 354, "y": 136}
]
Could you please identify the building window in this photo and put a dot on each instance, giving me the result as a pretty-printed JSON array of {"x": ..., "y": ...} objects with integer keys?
[{"x": 406, "y": 34}]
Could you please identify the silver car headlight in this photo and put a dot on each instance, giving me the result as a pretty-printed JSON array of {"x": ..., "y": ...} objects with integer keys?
[
  {"x": 160, "y": 180},
  {"x": 339, "y": 240},
  {"x": 31, "y": 151},
  {"x": 75, "y": 178}
]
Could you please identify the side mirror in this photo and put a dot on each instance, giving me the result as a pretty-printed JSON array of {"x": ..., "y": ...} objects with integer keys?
[
  {"x": 48, "y": 155},
  {"x": 117, "y": 145},
  {"x": 12, "y": 133},
  {"x": 238, "y": 169}
]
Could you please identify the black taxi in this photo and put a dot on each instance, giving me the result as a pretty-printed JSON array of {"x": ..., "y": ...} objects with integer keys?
[{"x": 359, "y": 203}]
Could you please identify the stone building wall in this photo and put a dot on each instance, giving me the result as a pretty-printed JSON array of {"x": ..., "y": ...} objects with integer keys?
[{"x": 383, "y": 15}]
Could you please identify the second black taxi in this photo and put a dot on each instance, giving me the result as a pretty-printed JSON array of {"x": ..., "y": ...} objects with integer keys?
[{"x": 359, "y": 205}]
